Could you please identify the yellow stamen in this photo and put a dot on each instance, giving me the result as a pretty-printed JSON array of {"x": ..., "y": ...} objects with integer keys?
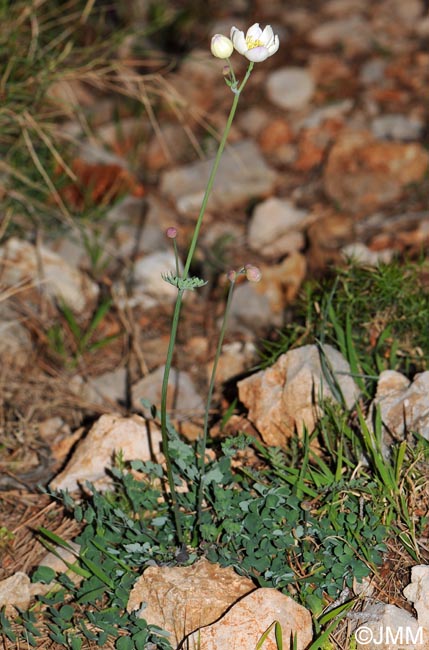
[{"x": 251, "y": 43}]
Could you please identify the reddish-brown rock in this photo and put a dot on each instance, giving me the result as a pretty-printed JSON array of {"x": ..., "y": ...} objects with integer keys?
[{"x": 363, "y": 174}]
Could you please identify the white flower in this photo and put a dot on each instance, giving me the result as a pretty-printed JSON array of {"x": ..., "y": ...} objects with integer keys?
[
  {"x": 221, "y": 46},
  {"x": 258, "y": 44}
]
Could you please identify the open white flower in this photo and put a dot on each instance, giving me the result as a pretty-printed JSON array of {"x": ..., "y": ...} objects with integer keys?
[
  {"x": 221, "y": 46},
  {"x": 257, "y": 45}
]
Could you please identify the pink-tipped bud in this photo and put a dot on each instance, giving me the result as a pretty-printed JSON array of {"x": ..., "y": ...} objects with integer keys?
[
  {"x": 226, "y": 70},
  {"x": 171, "y": 232},
  {"x": 253, "y": 273},
  {"x": 231, "y": 275}
]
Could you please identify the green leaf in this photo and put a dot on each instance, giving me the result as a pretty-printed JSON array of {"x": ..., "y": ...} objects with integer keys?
[
  {"x": 66, "y": 612},
  {"x": 124, "y": 643},
  {"x": 43, "y": 574},
  {"x": 183, "y": 284}
]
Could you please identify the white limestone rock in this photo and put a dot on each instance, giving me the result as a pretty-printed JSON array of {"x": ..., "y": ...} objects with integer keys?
[{"x": 290, "y": 87}]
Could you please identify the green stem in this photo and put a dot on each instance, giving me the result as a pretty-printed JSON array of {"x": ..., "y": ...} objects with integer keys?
[
  {"x": 178, "y": 305},
  {"x": 203, "y": 441},
  {"x": 214, "y": 170},
  {"x": 164, "y": 429},
  {"x": 176, "y": 256}
]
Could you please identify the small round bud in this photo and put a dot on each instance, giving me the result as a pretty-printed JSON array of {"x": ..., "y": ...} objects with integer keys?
[
  {"x": 221, "y": 46},
  {"x": 231, "y": 275},
  {"x": 253, "y": 273},
  {"x": 226, "y": 70},
  {"x": 171, "y": 232}
]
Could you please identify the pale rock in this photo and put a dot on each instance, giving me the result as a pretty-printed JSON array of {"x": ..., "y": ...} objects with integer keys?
[
  {"x": 51, "y": 427},
  {"x": 253, "y": 120},
  {"x": 21, "y": 261},
  {"x": 107, "y": 437},
  {"x": 287, "y": 396},
  {"x": 362, "y": 173},
  {"x": 58, "y": 561},
  {"x": 235, "y": 358},
  {"x": 183, "y": 399},
  {"x": 286, "y": 244},
  {"x": 222, "y": 237},
  {"x": 337, "y": 110},
  {"x": 138, "y": 226},
  {"x": 290, "y": 87},
  {"x": 183, "y": 599},
  {"x": 71, "y": 249},
  {"x": 352, "y": 33},
  {"x": 364, "y": 588},
  {"x": 244, "y": 624},
  {"x": 252, "y": 310},
  {"x": 80, "y": 387},
  {"x": 417, "y": 592},
  {"x": 387, "y": 627},
  {"x": 404, "y": 405},
  {"x": 397, "y": 127},
  {"x": 364, "y": 256},
  {"x": 243, "y": 174},
  {"x": 16, "y": 346},
  {"x": 261, "y": 305},
  {"x": 149, "y": 288},
  {"x": 372, "y": 71},
  {"x": 275, "y": 227},
  {"x": 15, "y": 592},
  {"x": 111, "y": 385}
]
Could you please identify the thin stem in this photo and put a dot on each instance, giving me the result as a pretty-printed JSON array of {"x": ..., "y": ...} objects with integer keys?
[
  {"x": 176, "y": 256},
  {"x": 213, "y": 172},
  {"x": 176, "y": 314},
  {"x": 203, "y": 441},
  {"x": 164, "y": 429}
]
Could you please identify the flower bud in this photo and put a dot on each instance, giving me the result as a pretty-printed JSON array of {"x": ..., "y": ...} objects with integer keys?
[
  {"x": 231, "y": 275},
  {"x": 171, "y": 232},
  {"x": 253, "y": 273},
  {"x": 221, "y": 46}
]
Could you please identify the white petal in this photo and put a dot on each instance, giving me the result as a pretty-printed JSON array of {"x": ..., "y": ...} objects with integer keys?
[
  {"x": 267, "y": 36},
  {"x": 238, "y": 40},
  {"x": 257, "y": 54},
  {"x": 274, "y": 46},
  {"x": 254, "y": 32}
]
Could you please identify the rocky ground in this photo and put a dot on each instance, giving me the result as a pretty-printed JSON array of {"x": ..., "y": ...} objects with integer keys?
[{"x": 327, "y": 159}]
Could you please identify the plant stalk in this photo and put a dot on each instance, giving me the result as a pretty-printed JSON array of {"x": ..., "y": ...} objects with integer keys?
[
  {"x": 203, "y": 441},
  {"x": 178, "y": 305}
]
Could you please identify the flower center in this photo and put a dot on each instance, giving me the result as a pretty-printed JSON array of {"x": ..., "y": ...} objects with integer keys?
[{"x": 251, "y": 43}]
